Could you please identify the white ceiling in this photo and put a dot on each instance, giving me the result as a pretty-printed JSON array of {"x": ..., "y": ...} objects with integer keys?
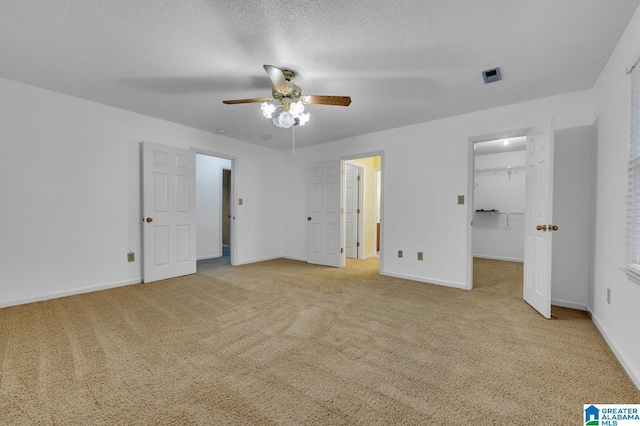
[{"x": 402, "y": 62}]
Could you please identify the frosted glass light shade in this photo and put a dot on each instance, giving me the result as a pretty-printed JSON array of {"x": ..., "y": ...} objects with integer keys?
[
  {"x": 285, "y": 119},
  {"x": 267, "y": 109},
  {"x": 303, "y": 118},
  {"x": 296, "y": 109}
]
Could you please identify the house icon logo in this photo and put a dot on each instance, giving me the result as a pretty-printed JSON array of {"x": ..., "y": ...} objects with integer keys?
[{"x": 592, "y": 416}]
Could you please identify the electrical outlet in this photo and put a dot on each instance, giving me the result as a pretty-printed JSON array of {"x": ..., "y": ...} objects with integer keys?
[
  {"x": 399, "y": 253},
  {"x": 460, "y": 199},
  {"x": 419, "y": 255},
  {"x": 609, "y": 296},
  {"x": 240, "y": 201},
  {"x": 131, "y": 257}
]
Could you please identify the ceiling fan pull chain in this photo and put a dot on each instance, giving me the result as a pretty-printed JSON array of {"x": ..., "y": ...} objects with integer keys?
[{"x": 293, "y": 148}]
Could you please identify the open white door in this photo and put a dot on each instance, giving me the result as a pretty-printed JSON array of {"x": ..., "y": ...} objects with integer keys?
[
  {"x": 538, "y": 218},
  {"x": 168, "y": 206},
  {"x": 352, "y": 210},
  {"x": 323, "y": 226}
]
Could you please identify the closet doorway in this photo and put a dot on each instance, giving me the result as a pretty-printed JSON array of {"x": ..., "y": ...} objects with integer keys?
[
  {"x": 497, "y": 207},
  {"x": 499, "y": 199}
]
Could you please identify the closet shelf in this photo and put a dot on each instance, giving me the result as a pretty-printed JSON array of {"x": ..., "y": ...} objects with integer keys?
[
  {"x": 501, "y": 171},
  {"x": 489, "y": 212},
  {"x": 496, "y": 212}
]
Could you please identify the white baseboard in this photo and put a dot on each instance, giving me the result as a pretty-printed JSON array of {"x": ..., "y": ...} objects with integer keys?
[
  {"x": 508, "y": 259},
  {"x": 301, "y": 259},
  {"x": 634, "y": 375},
  {"x": 570, "y": 305},
  {"x": 426, "y": 280},
  {"x": 58, "y": 294}
]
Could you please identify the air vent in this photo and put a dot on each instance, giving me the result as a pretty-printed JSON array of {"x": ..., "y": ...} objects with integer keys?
[{"x": 491, "y": 75}]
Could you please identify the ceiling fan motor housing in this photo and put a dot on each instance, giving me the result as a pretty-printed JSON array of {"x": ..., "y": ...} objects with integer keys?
[{"x": 292, "y": 94}]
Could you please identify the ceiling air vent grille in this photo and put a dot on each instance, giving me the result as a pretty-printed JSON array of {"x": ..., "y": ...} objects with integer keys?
[{"x": 492, "y": 75}]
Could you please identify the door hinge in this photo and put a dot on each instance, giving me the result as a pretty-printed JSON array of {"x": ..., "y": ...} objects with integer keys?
[
  {"x": 341, "y": 211},
  {"x": 358, "y": 211},
  {"x": 358, "y": 178},
  {"x": 357, "y": 244},
  {"x": 341, "y": 250}
]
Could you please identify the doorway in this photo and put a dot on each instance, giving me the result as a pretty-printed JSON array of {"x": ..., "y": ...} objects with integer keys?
[
  {"x": 538, "y": 213},
  {"x": 214, "y": 176},
  {"x": 497, "y": 201},
  {"x": 364, "y": 197}
]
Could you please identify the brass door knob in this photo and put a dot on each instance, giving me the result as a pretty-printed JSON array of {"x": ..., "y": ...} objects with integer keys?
[
  {"x": 554, "y": 228},
  {"x": 149, "y": 219},
  {"x": 308, "y": 217},
  {"x": 542, "y": 228}
]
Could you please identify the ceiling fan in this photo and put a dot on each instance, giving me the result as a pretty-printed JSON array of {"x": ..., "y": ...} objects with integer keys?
[{"x": 289, "y": 96}]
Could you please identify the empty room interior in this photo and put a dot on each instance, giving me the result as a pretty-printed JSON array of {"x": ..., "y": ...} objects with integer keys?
[{"x": 318, "y": 212}]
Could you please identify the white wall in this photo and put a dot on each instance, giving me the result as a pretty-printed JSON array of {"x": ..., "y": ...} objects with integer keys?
[
  {"x": 500, "y": 235},
  {"x": 209, "y": 205},
  {"x": 70, "y": 185},
  {"x": 573, "y": 191},
  {"x": 619, "y": 320},
  {"x": 424, "y": 168}
]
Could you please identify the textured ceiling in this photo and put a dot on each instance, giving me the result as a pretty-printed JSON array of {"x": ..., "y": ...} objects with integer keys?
[{"x": 402, "y": 62}]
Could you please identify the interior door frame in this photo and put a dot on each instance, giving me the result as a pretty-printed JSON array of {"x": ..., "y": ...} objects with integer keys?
[
  {"x": 470, "y": 190},
  {"x": 232, "y": 197},
  {"x": 346, "y": 158}
]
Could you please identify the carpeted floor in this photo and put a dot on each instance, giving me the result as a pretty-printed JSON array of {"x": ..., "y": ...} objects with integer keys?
[{"x": 283, "y": 342}]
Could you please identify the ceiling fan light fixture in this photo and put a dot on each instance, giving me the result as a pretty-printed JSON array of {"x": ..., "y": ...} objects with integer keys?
[
  {"x": 303, "y": 118},
  {"x": 296, "y": 109},
  {"x": 290, "y": 99},
  {"x": 286, "y": 119},
  {"x": 267, "y": 109}
]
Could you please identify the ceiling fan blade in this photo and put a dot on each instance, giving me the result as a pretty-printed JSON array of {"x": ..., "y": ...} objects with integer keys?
[
  {"x": 246, "y": 101},
  {"x": 328, "y": 100},
  {"x": 277, "y": 78}
]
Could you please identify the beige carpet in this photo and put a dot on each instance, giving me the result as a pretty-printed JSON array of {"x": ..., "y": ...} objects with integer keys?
[{"x": 282, "y": 342}]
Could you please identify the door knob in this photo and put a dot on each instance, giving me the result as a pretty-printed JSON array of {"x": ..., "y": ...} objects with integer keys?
[
  {"x": 542, "y": 228},
  {"x": 553, "y": 228},
  {"x": 308, "y": 217},
  {"x": 149, "y": 219}
]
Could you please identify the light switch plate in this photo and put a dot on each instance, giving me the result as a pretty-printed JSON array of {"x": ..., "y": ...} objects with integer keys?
[
  {"x": 460, "y": 199},
  {"x": 240, "y": 201}
]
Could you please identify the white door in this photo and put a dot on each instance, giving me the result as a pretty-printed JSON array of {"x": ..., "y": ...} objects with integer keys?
[
  {"x": 168, "y": 206},
  {"x": 538, "y": 218},
  {"x": 351, "y": 210},
  {"x": 323, "y": 220}
]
